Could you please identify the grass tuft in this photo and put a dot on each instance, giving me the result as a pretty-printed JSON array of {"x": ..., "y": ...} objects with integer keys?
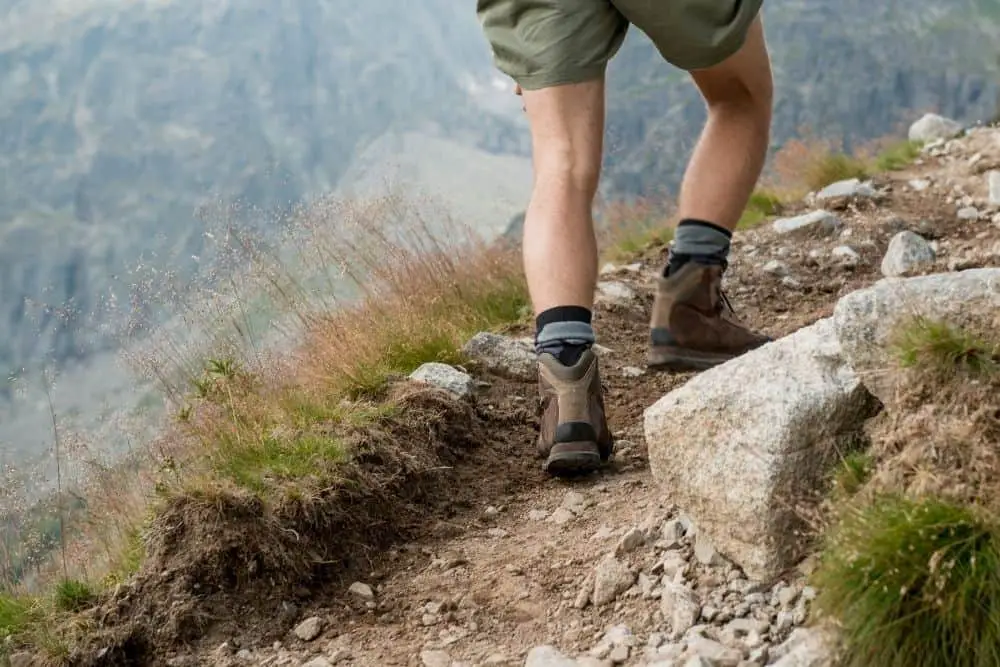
[
  {"x": 763, "y": 204},
  {"x": 944, "y": 349},
  {"x": 73, "y": 596},
  {"x": 897, "y": 155},
  {"x": 914, "y": 583},
  {"x": 850, "y": 476}
]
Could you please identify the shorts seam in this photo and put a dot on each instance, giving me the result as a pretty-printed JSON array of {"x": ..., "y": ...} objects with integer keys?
[{"x": 565, "y": 76}]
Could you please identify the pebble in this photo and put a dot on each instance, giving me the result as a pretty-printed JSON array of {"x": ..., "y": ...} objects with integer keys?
[
  {"x": 309, "y": 629},
  {"x": 435, "y": 659},
  {"x": 361, "y": 591},
  {"x": 561, "y": 516},
  {"x": 993, "y": 186},
  {"x": 319, "y": 661},
  {"x": 820, "y": 221},
  {"x": 538, "y": 515},
  {"x": 615, "y": 292},
  {"x": 629, "y": 542},
  {"x": 968, "y": 213},
  {"x": 681, "y": 607},
  {"x": 776, "y": 268},
  {"x": 907, "y": 252},
  {"x": 457, "y": 383},
  {"x": 611, "y": 578},
  {"x": 548, "y": 656},
  {"x": 846, "y": 255},
  {"x": 632, "y": 371}
]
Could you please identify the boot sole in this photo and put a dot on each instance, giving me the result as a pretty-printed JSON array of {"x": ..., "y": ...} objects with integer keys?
[
  {"x": 677, "y": 360},
  {"x": 572, "y": 459}
]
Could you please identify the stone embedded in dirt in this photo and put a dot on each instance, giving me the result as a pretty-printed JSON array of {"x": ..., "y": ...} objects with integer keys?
[
  {"x": 716, "y": 653},
  {"x": 680, "y": 607},
  {"x": 339, "y": 655},
  {"x": 538, "y": 515},
  {"x": 457, "y": 383},
  {"x": 907, "y": 253},
  {"x": 806, "y": 647},
  {"x": 632, "y": 371},
  {"x": 970, "y": 213},
  {"x": 509, "y": 357},
  {"x": 309, "y": 629},
  {"x": 561, "y": 516},
  {"x": 318, "y": 661},
  {"x": 919, "y": 184},
  {"x": 614, "y": 292},
  {"x": 704, "y": 551},
  {"x": 612, "y": 577},
  {"x": 435, "y": 659},
  {"x": 865, "y": 319},
  {"x": 846, "y": 255},
  {"x": 575, "y": 502},
  {"x": 548, "y": 656},
  {"x": 630, "y": 541},
  {"x": 698, "y": 661},
  {"x": 931, "y": 127},
  {"x": 993, "y": 187},
  {"x": 361, "y": 591},
  {"x": 822, "y": 222},
  {"x": 22, "y": 659},
  {"x": 736, "y": 445},
  {"x": 777, "y": 268},
  {"x": 608, "y": 269},
  {"x": 672, "y": 532},
  {"x": 851, "y": 187}
]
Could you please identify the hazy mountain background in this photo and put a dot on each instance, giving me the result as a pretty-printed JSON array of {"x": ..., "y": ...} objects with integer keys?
[{"x": 127, "y": 128}]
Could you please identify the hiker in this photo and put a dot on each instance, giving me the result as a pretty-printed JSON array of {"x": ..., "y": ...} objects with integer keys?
[{"x": 557, "y": 52}]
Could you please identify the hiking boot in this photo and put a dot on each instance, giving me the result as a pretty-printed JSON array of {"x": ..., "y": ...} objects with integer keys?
[
  {"x": 693, "y": 325},
  {"x": 574, "y": 437}
]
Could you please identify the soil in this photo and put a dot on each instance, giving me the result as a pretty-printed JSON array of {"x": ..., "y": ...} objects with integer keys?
[{"x": 476, "y": 568}]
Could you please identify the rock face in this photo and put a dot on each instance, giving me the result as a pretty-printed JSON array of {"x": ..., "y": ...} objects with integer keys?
[
  {"x": 932, "y": 126},
  {"x": 865, "y": 320},
  {"x": 736, "y": 444},
  {"x": 907, "y": 252}
]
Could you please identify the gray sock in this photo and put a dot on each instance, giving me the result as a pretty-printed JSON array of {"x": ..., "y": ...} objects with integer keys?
[
  {"x": 698, "y": 239},
  {"x": 565, "y": 340}
]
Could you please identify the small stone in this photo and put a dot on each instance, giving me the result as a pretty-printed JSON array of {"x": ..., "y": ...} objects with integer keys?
[
  {"x": 457, "y": 383},
  {"x": 497, "y": 659},
  {"x": 852, "y": 187},
  {"x": 608, "y": 269},
  {"x": 319, "y": 661},
  {"x": 25, "y": 659},
  {"x": 787, "y": 596},
  {"x": 777, "y": 268},
  {"x": 514, "y": 358},
  {"x": 647, "y": 584},
  {"x": 699, "y": 661},
  {"x": 704, "y": 551},
  {"x": 919, "y": 184},
  {"x": 791, "y": 282},
  {"x": 561, "y": 516},
  {"x": 619, "y": 654},
  {"x": 970, "y": 213},
  {"x": 819, "y": 221},
  {"x": 491, "y": 512},
  {"x": 673, "y": 563},
  {"x": 993, "y": 185},
  {"x": 672, "y": 532},
  {"x": 361, "y": 591},
  {"x": 538, "y": 515},
  {"x": 629, "y": 542},
  {"x": 575, "y": 502},
  {"x": 339, "y": 655},
  {"x": 907, "y": 252},
  {"x": 611, "y": 578},
  {"x": 719, "y": 655},
  {"x": 846, "y": 255},
  {"x": 548, "y": 656},
  {"x": 435, "y": 659},
  {"x": 583, "y": 595},
  {"x": 309, "y": 629},
  {"x": 632, "y": 372},
  {"x": 497, "y": 533},
  {"x": 680, "y": 606},
  {"x": 614, "y": 292},
  {"x": 931, "y": 127}
]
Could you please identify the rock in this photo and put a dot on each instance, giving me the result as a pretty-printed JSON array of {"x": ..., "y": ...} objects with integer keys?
[
  {"x": 932, "y": 127},
  {"x": 309, "y": 629},
  {"x": 614, "y": 292},
  {"x": 361, "y": 591},
  {"x": 21, "y": 659},
  {"x": 538, "y": 515},
  {"x": 680, "y": 607},
  {"x": 575, "y": 502},
  {"x": 632, "y": 371},
  {"x": 513, "y": 358},
  {"x": 457, "y": 383},
  {"x": 907, "y": 252},
  {"x": 672, "y": 532},
  {"x": 319, "y": 661},
  {"x": 777, "y": 268},
  {"x": 619, "y": 654},
  {"x": 919, "y": 184},
  {"x": 548, "y": 656},
  {"x": 611, "y": 578},
  {"x": 630, "y": 541},
  {"x": 993, "y": 185},
  {"x": 846, "y": 255},
  {"x": 968, "y": 213},
  {"x": 865, "y": 320},
  {"x": 716, "y": 653},
  {"x": 851, "y": 187},
  {"x": 735, "y": 444},
  {"x": 339, "y": 655},
  {"x": 435, "y": 659},
  {"x": 704, "y": 551},
  {"x": 821, "y": 222},
  {"x": 806, "y": 647},
  {"x": 699, "y": 661},
  {"x": 561, "y": 516}
]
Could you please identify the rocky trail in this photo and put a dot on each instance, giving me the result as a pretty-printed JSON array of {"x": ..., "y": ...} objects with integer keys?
[{"x": 611, "y": 570}]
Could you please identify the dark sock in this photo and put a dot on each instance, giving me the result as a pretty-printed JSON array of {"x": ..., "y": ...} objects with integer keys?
[
  {"x": 564, "y": 332},
  {"x": 698, "y": 240}
]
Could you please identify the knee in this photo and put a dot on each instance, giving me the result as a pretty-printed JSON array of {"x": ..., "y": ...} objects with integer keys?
[{"x": 566, "y": 168}]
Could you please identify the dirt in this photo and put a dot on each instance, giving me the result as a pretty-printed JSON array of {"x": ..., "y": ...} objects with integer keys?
[{"x": 474, "y": 567}]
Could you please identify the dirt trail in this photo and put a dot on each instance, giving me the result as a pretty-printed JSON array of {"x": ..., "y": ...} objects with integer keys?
[{"x": 497, "y": 579}]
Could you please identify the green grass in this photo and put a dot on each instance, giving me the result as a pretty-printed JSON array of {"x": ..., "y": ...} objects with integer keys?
[
  {"x": 71, "y": 595},
  {"x": 898, "y": 155},
  {"x": 762, "y": 205},
  {"x": 851, "y": 474},
  {"x": 913, "y": 584},
  {"x": 631, "y": 243},
  {"x": 943, "y": 348},
  {"x": 16, "y": 615},
  {"x": 830, "y": 168}
]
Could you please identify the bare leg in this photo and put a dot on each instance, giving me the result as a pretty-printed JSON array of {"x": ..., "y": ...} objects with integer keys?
[
  {"x": 730, "y": 154},
  {"x": 560, "y": 250}
]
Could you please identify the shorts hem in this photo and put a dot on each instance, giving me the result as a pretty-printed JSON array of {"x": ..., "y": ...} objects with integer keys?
[{"x": 566, "y": 76}]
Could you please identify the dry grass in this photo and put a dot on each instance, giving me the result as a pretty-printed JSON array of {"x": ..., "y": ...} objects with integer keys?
[
  {"x": 630, "y": 228},
  {"x": 911, "y": 562},
  {"x": 282, "y": 394}
]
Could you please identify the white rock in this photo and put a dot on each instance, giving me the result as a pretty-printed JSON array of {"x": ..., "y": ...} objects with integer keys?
[
  {"x": 435, "y": 659},
  {"x": 919, "y": 184},
  {"x": 717, "y": 654},
  {"x": 728, "y": 445},
  {"x": 907, "y": 252},
  {"x": 865, "y": 319},
  {"x": 851, "y": 187},
  {"x": 614, "y": 292},
  {"x": 968, "y": 213},
  {"x": 548, "y": 656},
  {"x": 932, "y": 127},
  {"x": 806, "y": 647},
  {"x": 361, "y": 591},
  {"x": 319, "y": 661},
  {"x": 681, "y": 607},
  {"x": 629, "y": 542},
  {"x": 993, "y": 183},
  {"x": 513, "y": 358},
  {"x": 457, "y": 383},
  {"x": 611, "y": 578},
  {"x": 561, "y": 516},
  {"x": 776, "y": 268},
  {"x": 822, "y": 222},
  {"x": 309, "y": 629}
]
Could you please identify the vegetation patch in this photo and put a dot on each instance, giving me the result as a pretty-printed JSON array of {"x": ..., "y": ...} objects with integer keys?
[{"x": 763, "y": 204}]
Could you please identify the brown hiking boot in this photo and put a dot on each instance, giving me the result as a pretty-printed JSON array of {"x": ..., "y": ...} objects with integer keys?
[
  {"x": 574, "y": 436},
  {"x": 693, "y": 326}
]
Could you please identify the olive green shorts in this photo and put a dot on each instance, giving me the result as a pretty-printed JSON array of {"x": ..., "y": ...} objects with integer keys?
[{"x": 541, "y": 43}]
